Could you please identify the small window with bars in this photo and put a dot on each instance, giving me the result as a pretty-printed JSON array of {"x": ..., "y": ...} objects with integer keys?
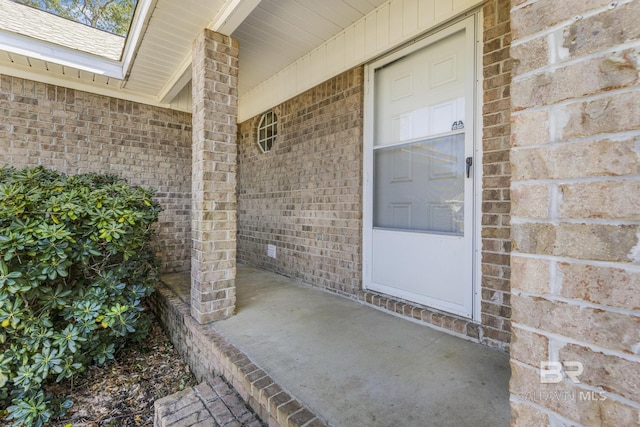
[{"x": 267, "y": 131}]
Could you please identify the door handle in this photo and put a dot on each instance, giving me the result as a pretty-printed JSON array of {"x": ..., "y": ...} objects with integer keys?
[{"x": 469, "y": 162}]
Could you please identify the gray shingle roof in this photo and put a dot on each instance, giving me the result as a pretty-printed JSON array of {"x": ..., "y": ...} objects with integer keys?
[{"x": 25, "y": 20}]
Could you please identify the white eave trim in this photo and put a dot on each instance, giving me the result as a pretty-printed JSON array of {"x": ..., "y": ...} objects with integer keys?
[
  {"x": 140, "y": 19},
  {"x": 231, "y": 15},
  {"x": 389, "y": 26},
  {"x": 56, "y": 54},
  {"x": 179, "y": 80}
]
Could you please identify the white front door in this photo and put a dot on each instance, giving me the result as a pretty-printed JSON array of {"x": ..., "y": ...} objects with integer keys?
[{"x": 419, "y": 172}]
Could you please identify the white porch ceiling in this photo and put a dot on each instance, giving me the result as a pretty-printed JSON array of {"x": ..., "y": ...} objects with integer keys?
[
  {"x": 280, "y": 31},
  {"x": 272, "y": 35}
]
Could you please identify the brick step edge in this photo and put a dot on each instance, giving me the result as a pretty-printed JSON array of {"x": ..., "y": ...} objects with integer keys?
[
  {"x": 205, "y": 405},
  {"x": 209, "y": 355}
]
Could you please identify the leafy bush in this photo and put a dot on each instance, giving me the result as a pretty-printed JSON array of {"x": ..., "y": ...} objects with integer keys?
[{"x": 75, "y": 264}]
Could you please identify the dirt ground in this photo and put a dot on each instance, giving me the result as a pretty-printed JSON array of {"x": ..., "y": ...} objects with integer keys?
[{"x": 122, "y": 392}]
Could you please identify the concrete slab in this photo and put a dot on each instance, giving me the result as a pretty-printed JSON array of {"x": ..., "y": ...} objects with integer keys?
[{"x": 353, "y": 365}]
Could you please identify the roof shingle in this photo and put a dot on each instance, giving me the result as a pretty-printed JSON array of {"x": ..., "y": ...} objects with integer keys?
[{"x": 31, "y": 22}]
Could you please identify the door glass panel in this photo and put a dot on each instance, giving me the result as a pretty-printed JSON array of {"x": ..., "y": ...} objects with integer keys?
[
  {"x": 420, "y": 186},
  {"x": 422, "y": 94}
]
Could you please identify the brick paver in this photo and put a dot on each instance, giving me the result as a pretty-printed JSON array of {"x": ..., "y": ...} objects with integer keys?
[{"x": 205, "y": 405}]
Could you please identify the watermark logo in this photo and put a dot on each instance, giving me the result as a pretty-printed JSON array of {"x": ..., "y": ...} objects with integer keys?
[
  {"x": 564, "y": 396},
  {"x": 555, "y": 372}
]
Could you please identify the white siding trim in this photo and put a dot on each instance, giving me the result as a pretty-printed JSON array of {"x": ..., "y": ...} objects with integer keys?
[
  {"x": 477, "y": 173},
  {"x": 368, "y": 38},
  {"x": 140, "y": 21}
]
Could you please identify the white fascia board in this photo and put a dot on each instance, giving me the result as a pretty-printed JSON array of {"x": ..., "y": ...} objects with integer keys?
[
  {"x": 50, "y": 52},
  {"x": 178, "y": 80},
  {"x": 140, "y": 20},
  {"x": 231, "y": 15}
]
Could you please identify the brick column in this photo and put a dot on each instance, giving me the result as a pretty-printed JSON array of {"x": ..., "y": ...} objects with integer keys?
[
  {"x": 213, "y": 216},
  {"x": 576, "y": 213}
]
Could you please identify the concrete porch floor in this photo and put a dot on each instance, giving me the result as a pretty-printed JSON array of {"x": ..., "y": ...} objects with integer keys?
[{"x": 352, "y": 365}]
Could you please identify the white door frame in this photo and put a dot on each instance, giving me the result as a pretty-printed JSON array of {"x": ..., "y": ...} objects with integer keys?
[{"x": 368, "y": 134}]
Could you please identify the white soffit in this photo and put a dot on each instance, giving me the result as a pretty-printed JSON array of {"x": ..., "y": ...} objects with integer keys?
[
  {"x": 278, "y": 32},
  {"x": 167, "y": 44},
  {"x": 388, "y": 26},
  {"x": 272, "y": 34},
  {"x": 229, "y": 15}
]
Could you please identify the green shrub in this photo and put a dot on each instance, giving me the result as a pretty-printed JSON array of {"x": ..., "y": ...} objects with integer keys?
[{"x": 75, "y": 264}]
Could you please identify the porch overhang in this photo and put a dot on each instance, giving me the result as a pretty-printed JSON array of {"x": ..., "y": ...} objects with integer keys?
[{"x": 226, "y": 22}]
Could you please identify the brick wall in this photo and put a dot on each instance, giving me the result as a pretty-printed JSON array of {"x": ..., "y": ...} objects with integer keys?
[
  {"x": 496, "y": 171},
  {"x": 576, "y": 211},
  {"x": 78, "y": 132},
  {"x": 305, "y": 195}
]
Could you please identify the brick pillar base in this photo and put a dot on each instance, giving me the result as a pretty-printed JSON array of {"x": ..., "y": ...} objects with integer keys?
[{"x": 213, "y": 216}]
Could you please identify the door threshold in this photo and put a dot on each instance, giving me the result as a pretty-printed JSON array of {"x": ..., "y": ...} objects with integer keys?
[{"x": 447, "y": 322}]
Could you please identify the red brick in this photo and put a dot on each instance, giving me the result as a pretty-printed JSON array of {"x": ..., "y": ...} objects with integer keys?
[
  {"x": 611, "y": 373},
  {"x": 530, "y": 200},
  {"x": 603, "y": 328},
  {"x": 614, "y": 287},
  {"x": 539, "y": 16},
  {"x": 584, "y": 241},
  {"x": 529, "y": 347},
  {"x": 596, "y": 158},
  {"x": 604, "y": 199},
  {"x": 604, "y": 73},
  {"x": 523, "y": 415},
  {"x": 530, "y": 55},
  {"x": 598, "y": 32},
  {"x": 605, "y": 115},
  {"x": 530, "y": 274}
]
